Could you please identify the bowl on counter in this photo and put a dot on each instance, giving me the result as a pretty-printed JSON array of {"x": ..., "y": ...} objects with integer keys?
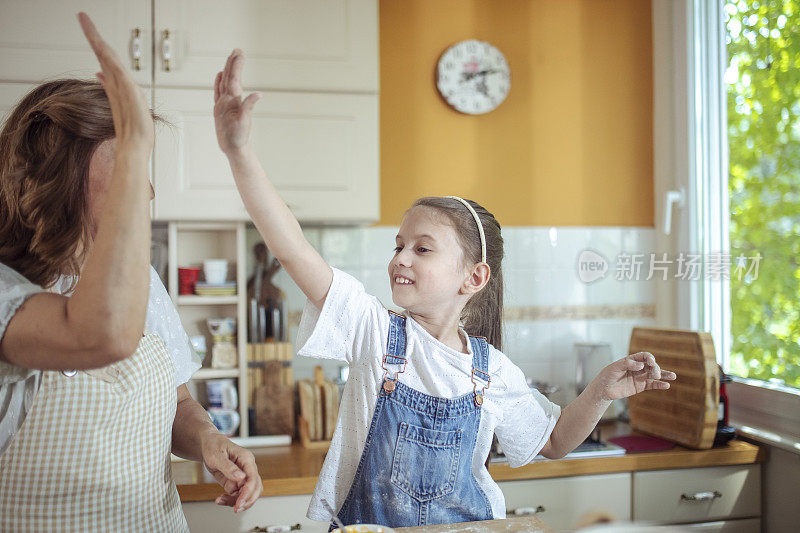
[{"x": 364, "y": 528}]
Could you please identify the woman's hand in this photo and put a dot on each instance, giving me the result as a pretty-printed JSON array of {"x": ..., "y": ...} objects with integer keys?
[
  {"x": 133, "y": 123},
  {"x": 630, "y": 375},
  {"x": 235, "y": 470},
  {"x": 232, "y": 115}
]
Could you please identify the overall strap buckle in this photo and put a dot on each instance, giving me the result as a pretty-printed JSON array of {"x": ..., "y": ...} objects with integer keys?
[
  {"x": 482, "y": 378},
  {"x": 390, "y": 381}
]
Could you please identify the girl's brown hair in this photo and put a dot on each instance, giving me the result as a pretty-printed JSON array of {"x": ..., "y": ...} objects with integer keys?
[
  {"x": 46, "y": 146},
  {"x": 483, "y": 314}
]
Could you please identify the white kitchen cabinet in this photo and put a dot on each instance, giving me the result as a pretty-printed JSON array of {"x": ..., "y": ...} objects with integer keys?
[
  {"x": 317, "y": 138},
  {"x": 208, "y": 517},
  {"x": 42, "y": 39},
  {"x": 320, "y": 151},
  {"x": 745, "y": 525},
  {"x": 10, "y": 95},
  {"x": 561, "y": 502},
  {"x": 697, "y": 494},
  {"x": 310, "y": 45}
]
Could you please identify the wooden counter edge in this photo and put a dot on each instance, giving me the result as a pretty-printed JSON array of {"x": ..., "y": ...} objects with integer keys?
[
  {"x": 737, "y": 452},
  {"x": 203, "y": 492}
]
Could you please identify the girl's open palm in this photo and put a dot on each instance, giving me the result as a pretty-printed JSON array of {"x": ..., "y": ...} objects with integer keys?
[
  {"x": 232, "y": 114},
  {"x": 632, "y": 374}
]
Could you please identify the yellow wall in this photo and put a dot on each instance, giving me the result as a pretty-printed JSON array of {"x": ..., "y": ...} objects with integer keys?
[{"x": 571, "y": 145}]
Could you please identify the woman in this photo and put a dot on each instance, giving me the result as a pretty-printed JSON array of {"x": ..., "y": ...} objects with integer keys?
[{"x": 92, "y": 375}]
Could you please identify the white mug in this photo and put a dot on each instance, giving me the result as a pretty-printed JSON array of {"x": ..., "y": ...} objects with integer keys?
[{"x": 226, "y": 420}]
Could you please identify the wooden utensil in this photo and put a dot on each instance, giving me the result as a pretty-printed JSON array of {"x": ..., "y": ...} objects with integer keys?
[{"x": 687, "y": 412}]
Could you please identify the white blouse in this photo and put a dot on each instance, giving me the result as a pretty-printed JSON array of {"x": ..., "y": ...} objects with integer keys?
[{"x": 18, "y": 386}]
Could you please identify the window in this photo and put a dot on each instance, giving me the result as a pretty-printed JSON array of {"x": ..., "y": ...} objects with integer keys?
[{"x": 762, "y": 81}]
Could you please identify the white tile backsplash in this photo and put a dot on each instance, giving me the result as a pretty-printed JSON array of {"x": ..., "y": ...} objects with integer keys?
[{"x": 540, "y": 270}]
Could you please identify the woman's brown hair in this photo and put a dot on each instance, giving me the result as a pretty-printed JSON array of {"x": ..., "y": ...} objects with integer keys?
[
  {"x": 483, "y": 314},
  {"x": 46, "y": 146}
]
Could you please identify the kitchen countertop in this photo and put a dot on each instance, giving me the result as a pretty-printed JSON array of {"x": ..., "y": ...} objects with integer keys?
[{"x": 292, "y": 469}]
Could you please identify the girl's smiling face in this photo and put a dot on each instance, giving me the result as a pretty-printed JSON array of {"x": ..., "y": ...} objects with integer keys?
[{"x": 427, "y": 272}]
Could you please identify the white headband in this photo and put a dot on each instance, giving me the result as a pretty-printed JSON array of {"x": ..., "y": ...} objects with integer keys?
[{"x": 477, "y": 221}]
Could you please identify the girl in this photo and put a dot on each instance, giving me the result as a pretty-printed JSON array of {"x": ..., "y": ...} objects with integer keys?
[{"x": 424, "y": 395}]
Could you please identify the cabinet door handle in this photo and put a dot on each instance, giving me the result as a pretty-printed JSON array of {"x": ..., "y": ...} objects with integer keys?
[
  {"x": 701, "y": 496},
  {"x": 166, "y": 50},
  {"x": 527, "y": 511},
  {"x": 136, "y": 48}
]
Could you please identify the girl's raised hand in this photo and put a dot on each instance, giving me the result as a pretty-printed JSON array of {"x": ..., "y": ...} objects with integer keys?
[
  {"x": 232, "y": 115},
  {"x": 630, "y": 375},
  {"x": 133, "y": 123}
]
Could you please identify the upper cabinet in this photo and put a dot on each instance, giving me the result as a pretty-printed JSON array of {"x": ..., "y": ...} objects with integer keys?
[
  {"x": 312, "y": 45},
  {"x": 41, "y": 39},
  {"x": 315, "y": 130},
  {"x": 320, "y": 150}
]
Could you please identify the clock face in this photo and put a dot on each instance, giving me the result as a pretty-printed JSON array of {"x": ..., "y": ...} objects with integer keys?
[{"x": 473, "y": 77}]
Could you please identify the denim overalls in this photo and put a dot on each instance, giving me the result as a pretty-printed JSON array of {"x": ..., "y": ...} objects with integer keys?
[{"x": 416, "y": 468}]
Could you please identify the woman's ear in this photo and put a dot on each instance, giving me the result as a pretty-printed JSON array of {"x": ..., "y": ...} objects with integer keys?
[{"x": 478, "y": 278}]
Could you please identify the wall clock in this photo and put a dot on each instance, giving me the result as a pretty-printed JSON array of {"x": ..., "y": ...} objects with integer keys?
[{"x": 473, "y": 77}]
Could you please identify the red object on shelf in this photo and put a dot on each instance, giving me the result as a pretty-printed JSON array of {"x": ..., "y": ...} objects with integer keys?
[
  {"x": 642, "y": 443},
  {"x": 187, "y": 278}
]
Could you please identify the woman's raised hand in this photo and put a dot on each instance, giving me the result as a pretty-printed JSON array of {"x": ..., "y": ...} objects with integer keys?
[
  {"x": 232, "y": 114},
  {"x": 133, "y": 123}
]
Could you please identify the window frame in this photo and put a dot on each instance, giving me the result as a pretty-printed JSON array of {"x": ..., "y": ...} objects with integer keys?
[{"x": 691, "y": 154}]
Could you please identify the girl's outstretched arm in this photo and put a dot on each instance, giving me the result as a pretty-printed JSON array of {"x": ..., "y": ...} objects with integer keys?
[
  {"x": 273, "y": 219},
  {"x": 627, "y": 376}
]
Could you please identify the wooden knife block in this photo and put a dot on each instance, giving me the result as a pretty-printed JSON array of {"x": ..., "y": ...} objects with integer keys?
[
  {"x": 687, "y": 412},
  {"x": 318, "y": 402}
]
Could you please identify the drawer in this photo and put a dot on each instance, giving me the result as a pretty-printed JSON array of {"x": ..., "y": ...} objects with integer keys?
[
  {"x": 697, "y": 494},
  {"x": 563, "y": 501},
  {"x": 744, "y": 525},
  {"x": 208, "y": 517}
]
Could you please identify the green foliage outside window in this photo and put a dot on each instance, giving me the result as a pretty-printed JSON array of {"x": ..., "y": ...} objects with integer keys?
[{"x": 763, "y": 83}]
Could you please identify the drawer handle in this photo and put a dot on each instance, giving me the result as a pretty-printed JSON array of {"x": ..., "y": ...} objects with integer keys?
[
  {"x": 701, "y": 496},
  {"x": 528, "y": 511}
]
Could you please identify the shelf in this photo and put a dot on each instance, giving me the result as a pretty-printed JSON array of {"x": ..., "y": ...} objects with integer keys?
[
  {"x": 214, "y": 373},
  {"x": 194, "y": 299}
]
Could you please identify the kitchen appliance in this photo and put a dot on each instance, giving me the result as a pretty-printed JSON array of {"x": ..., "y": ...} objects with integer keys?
[
  {"x": 724, "y": 431},
  {"x": 592, "y": 357},
  {"x": 687, "y": 412}
]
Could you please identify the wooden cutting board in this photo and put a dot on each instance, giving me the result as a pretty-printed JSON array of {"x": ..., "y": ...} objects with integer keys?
[
  {"x": 687, "y": 412},
  {"x": 274, "y": 403}
]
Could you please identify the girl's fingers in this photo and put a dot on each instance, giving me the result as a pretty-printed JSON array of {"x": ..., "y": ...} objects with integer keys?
[
  {"x": 633, "y": 364},
  {"x": 659, "y": 385},
  {"x": 648, "y": 359}
]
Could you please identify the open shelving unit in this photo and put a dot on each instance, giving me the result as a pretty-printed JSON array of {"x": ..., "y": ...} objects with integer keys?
[{"x": 189, "y": 243}]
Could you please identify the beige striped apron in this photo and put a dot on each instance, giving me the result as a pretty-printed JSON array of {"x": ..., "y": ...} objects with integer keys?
[{"x": 94, "y": 451}]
